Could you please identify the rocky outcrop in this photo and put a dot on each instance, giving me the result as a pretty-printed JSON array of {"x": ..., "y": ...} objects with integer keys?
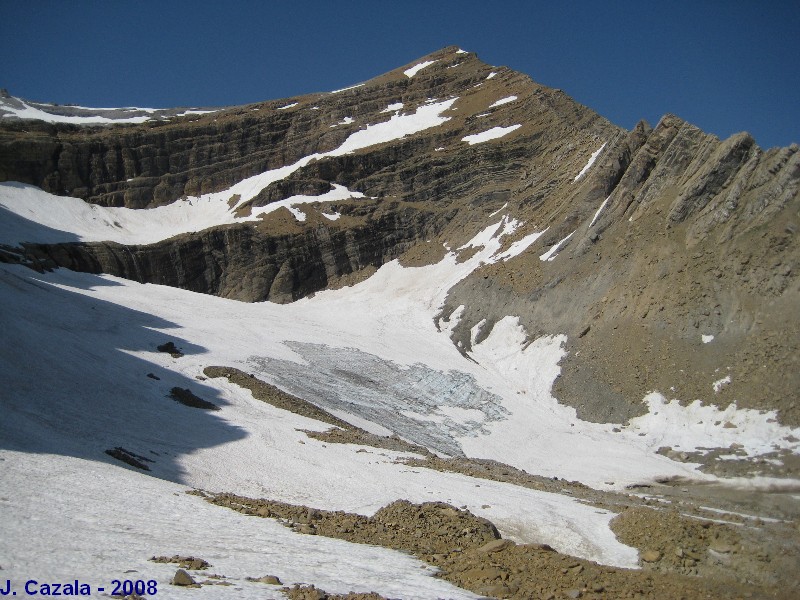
[
  {"x": 243, "y": 263},
  {"x": 678, "y": 237}
]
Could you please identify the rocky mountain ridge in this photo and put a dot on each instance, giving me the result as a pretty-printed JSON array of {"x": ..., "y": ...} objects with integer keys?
[{"x": 668, "y": 238}]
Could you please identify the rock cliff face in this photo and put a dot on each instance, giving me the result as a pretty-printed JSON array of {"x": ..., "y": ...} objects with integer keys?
[{"x": 669, "y": 236}]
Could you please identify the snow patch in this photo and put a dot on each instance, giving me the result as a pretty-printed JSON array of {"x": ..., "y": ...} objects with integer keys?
[
  {"x": 69, "y": 516},
  {"x": 352, "y": 87},
  {"x": 721, "y": 383},
  {"x": 553, "y": 252},
  {"x": 67, "y": 218},
  {"x": 30, "y": 112},
  {"x": 599, "y": 210},
  {"x": 589, "y": 164},
  {"x": 345, "y": 121},
  {"x": 501, "y": 209},
  {"x": 698, "y": 426},
  {"x": 339, "y": 192},
  {"x": 196, "y": 112},
  {"x": 502, "y": 101},
  {"x": 417, "y": 68},
  {"x": 393, "y": 107},
  {"x": 490, "y": 134},
  {"x": 707, "y": 339},
  {"x": 293, "y": 104},
  {"x": 520, "y": 246}
]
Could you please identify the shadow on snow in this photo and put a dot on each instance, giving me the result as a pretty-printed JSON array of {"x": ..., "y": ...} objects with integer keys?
[{"x": 71, "y": 385}]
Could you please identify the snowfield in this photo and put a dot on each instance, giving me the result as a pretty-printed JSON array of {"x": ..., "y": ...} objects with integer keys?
[
  {"x": 82, "y": 375},
  {"x": 12, "y": 107}
]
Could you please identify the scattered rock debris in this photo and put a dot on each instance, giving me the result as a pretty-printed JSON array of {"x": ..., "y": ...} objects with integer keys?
[
  {"x": 171, "y": 349},
  {"x": 268, "y": 579},
  {"x": 188, "y": 398},
  {"x": 311, "y": 592},
  {"x": 185, "y": 562},
  {"x": 182, "y": 578},
  {"x": 129, "y": 458}
]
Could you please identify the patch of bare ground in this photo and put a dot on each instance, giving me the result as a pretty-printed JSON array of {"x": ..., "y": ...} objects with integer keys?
[
  {"x": 469, "y": 553},
  {"x": 311, "y": 592},
  {"x": 272, "y": 395}
]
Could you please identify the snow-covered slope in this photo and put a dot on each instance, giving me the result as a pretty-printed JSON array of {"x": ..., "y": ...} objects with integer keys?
[
  {"x": 78, "y": 351},
  {"x": 12, "y": 108}
]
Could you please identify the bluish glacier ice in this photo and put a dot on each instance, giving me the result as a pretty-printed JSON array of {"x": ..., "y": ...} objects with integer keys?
[{"x": 406, "y": 400}]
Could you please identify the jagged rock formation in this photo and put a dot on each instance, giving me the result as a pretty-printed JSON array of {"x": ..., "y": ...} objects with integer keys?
[{"x": 673, "y": 234}]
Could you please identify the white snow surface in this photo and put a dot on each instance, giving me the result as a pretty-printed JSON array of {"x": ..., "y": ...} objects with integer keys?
[
  {"x": 71, "y": 219},
  {"x": 520, "y": 245},
  {"x": 74, "y": 363},
  {"x": 38, "y": 216},
  {"x": 707, "y": 339},
  {"x": 393, "y": 107},
  {"x": 344, "y": 89},
  {"x": 490, "y": 134},
  {"x": 31, "y": 112},
  {"x": 19, "y": 108},
  {"x": 721, "y": 383},
  {"x": 499, "y": 210},
  {"x": 339, "y": 192},
  {"x": 345, "y": 121},
  {"x": 589, "y": 164},
  {"x": 502, "y": 101},
  {"x": 114, "y": 325},
  {"x": 417, "y": 68},
  {"x": 599, "y": 210},
  {"x": 97, "y": 521},
  {"x": 292, "y": 105}
]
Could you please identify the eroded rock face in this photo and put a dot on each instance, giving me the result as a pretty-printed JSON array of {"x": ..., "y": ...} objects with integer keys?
[
  {"x": 675, "y": 234},
  {"x": 244, "y": 263}
]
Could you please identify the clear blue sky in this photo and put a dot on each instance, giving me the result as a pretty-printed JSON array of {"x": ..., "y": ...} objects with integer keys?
[{"x": 724, "y": 65}]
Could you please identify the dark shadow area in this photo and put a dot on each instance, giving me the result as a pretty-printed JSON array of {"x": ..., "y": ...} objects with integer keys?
[
  {"x": 82, "y": 376},
  {"x": 15, "y": 228}
]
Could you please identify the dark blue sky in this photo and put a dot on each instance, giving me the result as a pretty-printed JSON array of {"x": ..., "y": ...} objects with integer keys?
[{"x": 724, "y": 65}]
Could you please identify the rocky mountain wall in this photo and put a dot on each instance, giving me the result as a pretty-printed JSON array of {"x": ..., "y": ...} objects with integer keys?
[{"x": 243, "y": 263}]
